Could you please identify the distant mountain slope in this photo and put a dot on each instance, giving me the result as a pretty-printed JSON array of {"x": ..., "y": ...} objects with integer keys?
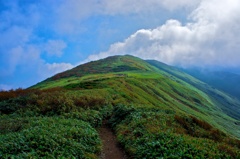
[
  {"x": 228, "y": 104},
  {"x": 226, "y": 81},
  {"x": 127, "y": 79}
]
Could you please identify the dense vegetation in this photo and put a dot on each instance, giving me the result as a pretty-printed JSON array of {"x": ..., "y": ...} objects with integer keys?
[
  {"x": 50, "y": 137},
  {"x": 154, "y": 133},
  {"x": 154, "y": 112},
  {"x": 50, "y": 124}
]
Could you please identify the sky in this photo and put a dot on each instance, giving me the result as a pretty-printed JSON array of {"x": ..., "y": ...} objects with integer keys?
[{"x": 41, "y": 38}]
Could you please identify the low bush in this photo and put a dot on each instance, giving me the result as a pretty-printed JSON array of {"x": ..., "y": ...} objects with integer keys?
[
  {"x": 91, "y": 116},
  {"x": 52, "y": 138},
  {"x": 12, "y": 125},
  {"x": 198, "y": 128},
  {"x": 150, "y": 133},
  {"x": 50, "y": 102},
  {"x": 120, "y": 113}
]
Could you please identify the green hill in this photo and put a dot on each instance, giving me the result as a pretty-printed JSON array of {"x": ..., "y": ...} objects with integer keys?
[
  {"x": 110, "y": 64},
  {"x": 156, "y": 111},
  {"x": 222, "y": 80},
  {"x": 222, "y": 100}
]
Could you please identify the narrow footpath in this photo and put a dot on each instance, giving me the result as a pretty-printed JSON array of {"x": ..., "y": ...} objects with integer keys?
[{"x": 111, "y": 149}]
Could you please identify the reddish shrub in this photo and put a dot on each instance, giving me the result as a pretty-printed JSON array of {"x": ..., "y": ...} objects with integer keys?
[
  {"x": 201, "y": 123},
  {"x": 228, "y": 150}
]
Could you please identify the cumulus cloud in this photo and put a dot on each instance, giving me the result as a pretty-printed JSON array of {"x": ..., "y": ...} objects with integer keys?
[{"x": 211, "y": 37}]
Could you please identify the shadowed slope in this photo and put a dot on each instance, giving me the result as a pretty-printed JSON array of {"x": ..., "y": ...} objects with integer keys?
[
  {"x": 226, "y": 81},
  {"x": 228, "y": 104}
]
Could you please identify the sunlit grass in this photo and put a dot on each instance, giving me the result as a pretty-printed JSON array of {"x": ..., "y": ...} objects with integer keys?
[{"x": 151, "y": 107}]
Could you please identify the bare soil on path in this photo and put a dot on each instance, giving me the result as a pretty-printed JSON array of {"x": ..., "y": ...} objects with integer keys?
[{"x": 111, "y": 148}]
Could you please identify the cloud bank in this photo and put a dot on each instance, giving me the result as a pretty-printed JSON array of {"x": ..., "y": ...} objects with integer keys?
[{"x": 210, "y": 38}]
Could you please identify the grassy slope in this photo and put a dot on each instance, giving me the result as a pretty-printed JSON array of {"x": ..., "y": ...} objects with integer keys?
[
  {"x": 226, "y": 81},
  {"x": 227, "y": 104},
  {"x": 142, "y": 84},
  {"x": 160, "y": 109}
]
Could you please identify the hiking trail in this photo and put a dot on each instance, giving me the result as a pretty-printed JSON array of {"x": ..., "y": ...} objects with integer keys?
[{"x": 111, "y": 148}]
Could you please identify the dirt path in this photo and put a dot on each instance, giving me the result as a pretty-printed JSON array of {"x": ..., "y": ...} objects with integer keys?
[{"x": 111, "y": 149}]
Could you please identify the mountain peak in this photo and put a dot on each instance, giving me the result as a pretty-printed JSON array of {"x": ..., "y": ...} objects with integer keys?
[
  {"x": 128, "y": 79},
  {"x": 117, "y": 63}
]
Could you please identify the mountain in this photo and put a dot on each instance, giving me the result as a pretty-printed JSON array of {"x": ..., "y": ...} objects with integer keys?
[
  {"x": 222, "y": 80},
  {"x": 227, "y": 103},
  {"x": 110, "y": 64},
  {"x": 155, "y": 110}
]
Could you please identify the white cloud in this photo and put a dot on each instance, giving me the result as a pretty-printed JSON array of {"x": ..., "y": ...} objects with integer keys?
[
  {"x": 15, "y": 35},
  {"x": 211, "y": 37},
  {"x": 21, "y": 44},
  {"x": 218, "y": 11},
  {"x": 54, "y": 68},
  {"x": 139, "y": 6},
  {"x": 71, "y": 13},
  {"x": 173, "y": 4},
  {"x": 26, "y": 60},
  {"x": 25, "y": 55},
  {"x": 55, "y": 47}
]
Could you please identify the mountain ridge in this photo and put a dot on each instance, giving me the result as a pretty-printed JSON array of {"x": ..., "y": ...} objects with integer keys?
[
  {"x": 132, "y": 67},
  {"x": 202, "y": 86},
  {"x": 114, "y": 64},
  {"x": 155, "y": 110},
  {"x": 222, "y": 80}
]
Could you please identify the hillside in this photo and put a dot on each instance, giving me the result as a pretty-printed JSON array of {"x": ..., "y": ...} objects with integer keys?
[
  {"x": 110, "y": 64},
  {"x": 222, "y": 80},
  {"x": 155, "y": 110},
  {"x": 226, "y": 103}
]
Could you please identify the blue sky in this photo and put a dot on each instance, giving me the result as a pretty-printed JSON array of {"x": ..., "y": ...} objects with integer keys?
[{"x": 41, "y": 38}]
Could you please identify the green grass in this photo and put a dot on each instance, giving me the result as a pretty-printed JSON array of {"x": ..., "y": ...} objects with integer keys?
[
  {"x": 157, "y": 90},
  {"x": 158, "y": 111},
  {"x": 157, "y": 133},
  {"x": 51, "y": 137}
]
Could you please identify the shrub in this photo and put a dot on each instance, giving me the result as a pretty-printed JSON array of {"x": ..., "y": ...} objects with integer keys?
[
  {"x": 90, "y": 102},
  {"x": 52, "y": 138},
  {"x": 199, "y": 128},
  {"x": 216, "y": 135},
  {"x": 229, "y": 150},
  {"x": 201, "y": 123},
  {"x": 150, "y": 133},
  {"x": 120, "y": 113},
  {"x": 12, "y": 125},
  {"x": 91, "y": 116},
  {"x": 52, "y": 102}
]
